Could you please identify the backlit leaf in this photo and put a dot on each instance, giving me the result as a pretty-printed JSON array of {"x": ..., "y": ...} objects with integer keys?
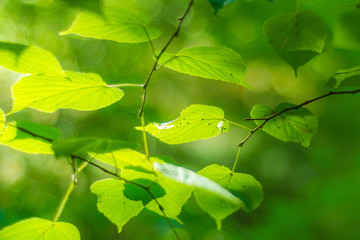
[
  {"x": 217, "y": 63},
  {"x": 195, "y": 122},
  {"x": 297, "y": 126},
  {"x": 176, "y": 195},
  {"x": 191, "y": 178},
  {"x": 28, "y": 59},
  {"x": 112, "y": 202},
  {"x": 345, "y": 77},
  {"x": 244, "y": 186},
  {"x": 40, "y": 229},
  {"x": 296, "y": 37},
  {"x": 120, "y": 25},
  {"x": 125, "y": 158},
  {"x": 29, "y": 137},
  {"x": 80, "y": 91},
  {"x": 2, "y": 122}
]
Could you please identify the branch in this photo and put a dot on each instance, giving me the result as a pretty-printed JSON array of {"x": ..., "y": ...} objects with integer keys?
[
  {"x": 181, "y": 19},
  {"x": 85, "y": 162},
  {"x": 266, "y": 119}
]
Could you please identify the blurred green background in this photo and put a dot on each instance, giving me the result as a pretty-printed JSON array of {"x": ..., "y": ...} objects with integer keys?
[{"x": 308, "y": 193}]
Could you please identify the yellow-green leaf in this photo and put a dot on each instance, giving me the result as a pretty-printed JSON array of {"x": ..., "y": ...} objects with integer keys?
[
  {"x": 298, "y": 125},
  {"x": 217, "y": 63},
  {"x": 21, "y": 136},
  {"x": 112, "y": 202},
  {"x": 244, "y": 186},
  {"x": 28, "y": 59},
  {"x": 195, "y": 122},
  {"x": 120, "y": 25},
  {"x": 40, "y": 229},
  {"x": 80, "y": 91}
]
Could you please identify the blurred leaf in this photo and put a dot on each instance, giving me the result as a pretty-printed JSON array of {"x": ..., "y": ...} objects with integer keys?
[
  {"x": 218, "y": 4},
  {"x": 91, "y": 5},
  {"x": 28, "y": 59},
  {"x": 195, "y": 122},
  {"x": 125, "y": 158},
  {"x": 40, "y": 229},
  {"x": 217, "y": 63},
  {"x": 346, "y": 31},
  {"x": 112, "y": 202},
  {"x": 120, "y": 25},
  {"x": 296, "y": 37},
  {"x": 137, "y": 193},
  {"x": 191, "y": 178},
  {"x": 244, "y": 186},
  {"x": 2, "y": 122},
  {"x": 176, "y": 195},
  {"x": 80, "y": 91},
  {"x": 20, "y": 136},
  {"x": 297, "y": 126},
  {"x": 345, "y": 77},
  {"x": 80, "y": 146}
]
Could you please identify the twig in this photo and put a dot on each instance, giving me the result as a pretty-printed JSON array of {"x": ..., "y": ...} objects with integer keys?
[
  {"x": 68, "y": 192},
  {"x": 266, "y": 119},
  {"x": 181, "y": 19},
  {"x": 85, "y": 162}
]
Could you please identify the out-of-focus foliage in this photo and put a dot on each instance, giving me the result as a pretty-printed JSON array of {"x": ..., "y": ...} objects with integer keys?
[{"x": 310, "y": 191}]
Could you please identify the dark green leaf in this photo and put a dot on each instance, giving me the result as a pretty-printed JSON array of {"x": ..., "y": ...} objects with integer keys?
[
  {"x": 296, "y": 37},
  {"x": 135, "y": 192}
]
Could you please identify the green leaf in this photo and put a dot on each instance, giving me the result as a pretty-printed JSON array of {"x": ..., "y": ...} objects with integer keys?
[
  {"x": 191, "y": 178},
  {"x": 40, "y": 229},
  {"x": 28, "y": 59},
  {"x": 195, "y": 122},
  {"x": 29, "y": 137},
  {"x": 345, "y": 77},
  {"x": 176, "y": 195},
  {"x": 244, "y": 186},
  {"x": 2, "y": 122},
  {"x": 125, "y": 158},
  {"x": 297, "y": 125},
  {"x": 80, "y": 91},
  {"x": 217, "y": 63},
  {"x": 135, "y": 192},
  {"x": 112, "y": 202},
  {"x": 120, "y": 25},
  {"x": 80, "y": 146},
  {"x": 296, "y": 37},
  {"x": 218, "y": 4}
]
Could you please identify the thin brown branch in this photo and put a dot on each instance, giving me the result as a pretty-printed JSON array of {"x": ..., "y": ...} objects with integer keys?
[
  {"x": 266, "y": 119},
  {"x": 115, "y": 174},
  {"x": 176, "y": 33}
]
